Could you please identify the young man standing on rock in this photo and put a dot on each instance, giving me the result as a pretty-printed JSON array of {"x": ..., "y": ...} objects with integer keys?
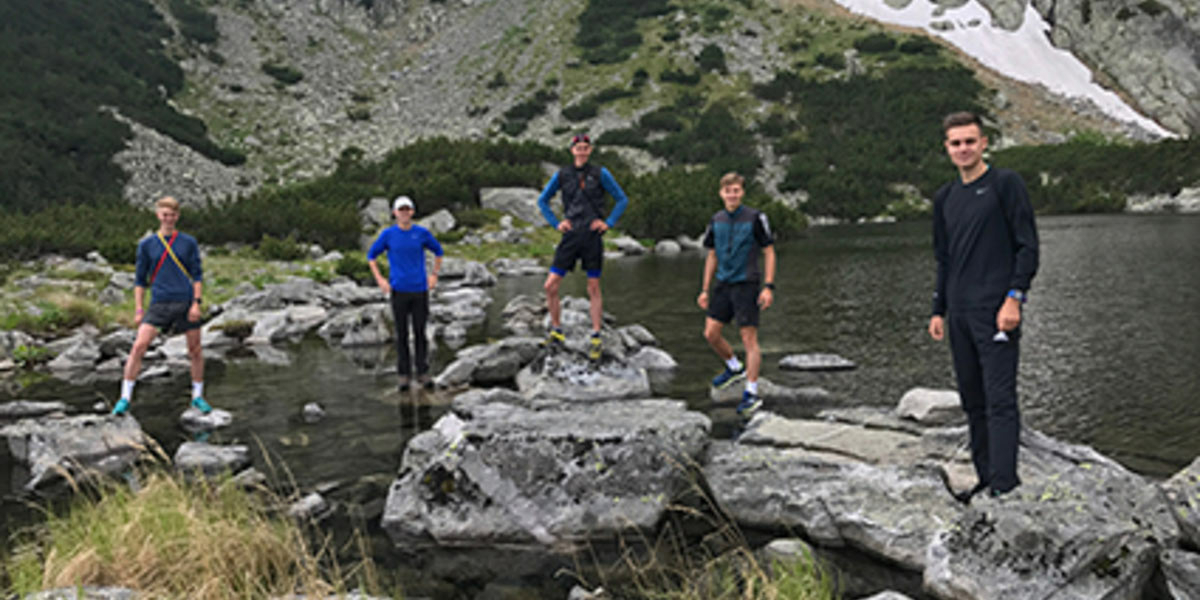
[
  {"x": 407, "y": 286},
  {"x": 169, "y": 264},
  {"x": 583, "y": 186},
  {"x": 733, "y": 237},
  {"x": 986, "y": 245}
]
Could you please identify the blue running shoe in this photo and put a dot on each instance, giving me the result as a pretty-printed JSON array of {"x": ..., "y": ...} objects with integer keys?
[
  {"x": 200, "y": 405},
  {"x": 749, "y": 404},
  {"x": 121, "y": 408},
  {"x": 729, "y": 377}
]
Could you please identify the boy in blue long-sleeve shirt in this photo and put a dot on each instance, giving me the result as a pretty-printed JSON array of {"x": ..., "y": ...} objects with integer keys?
[
  {"x": 407, "y": 285},
  {"x": 583, "y": 186},
  {"x": 176, "y": 286}
]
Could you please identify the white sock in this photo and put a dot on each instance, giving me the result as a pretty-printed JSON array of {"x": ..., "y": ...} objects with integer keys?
[
  {"x": 197, "y": 389},
  {"x": 733, "y": 363},
  {"x": 127, "y": 389},
  {"x": 752, "y": 387}
]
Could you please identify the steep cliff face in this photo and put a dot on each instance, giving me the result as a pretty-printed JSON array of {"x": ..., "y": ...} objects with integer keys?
[{"x": 1148, "y": 50}]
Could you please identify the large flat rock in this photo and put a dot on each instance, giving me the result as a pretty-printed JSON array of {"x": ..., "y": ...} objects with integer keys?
[{"x": 492, "y": 472}]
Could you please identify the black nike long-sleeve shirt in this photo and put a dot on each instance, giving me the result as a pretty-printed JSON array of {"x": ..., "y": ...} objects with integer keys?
[{"x": 985, "y": 241}]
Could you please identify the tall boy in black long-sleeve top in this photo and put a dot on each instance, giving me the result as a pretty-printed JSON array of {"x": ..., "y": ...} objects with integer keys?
[{"x": 986, "y": 246}]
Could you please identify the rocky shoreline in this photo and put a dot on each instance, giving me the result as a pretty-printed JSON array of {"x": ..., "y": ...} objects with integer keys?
[{"x": 547, "y": 452}]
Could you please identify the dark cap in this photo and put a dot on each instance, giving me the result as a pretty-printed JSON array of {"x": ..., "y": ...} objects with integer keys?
[{"x": 582, "y": 137}]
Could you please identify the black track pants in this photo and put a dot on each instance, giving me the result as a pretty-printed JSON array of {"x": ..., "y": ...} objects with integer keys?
[
  {"x": 986, "y": 369},
  {"x": 416, "y": 306}
]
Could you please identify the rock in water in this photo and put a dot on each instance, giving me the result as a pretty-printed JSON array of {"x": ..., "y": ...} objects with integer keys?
[{"x": 73, "y": 446}]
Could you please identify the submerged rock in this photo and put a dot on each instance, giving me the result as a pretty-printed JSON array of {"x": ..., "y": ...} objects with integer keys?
[
  {"x": 815, "y": 362},
  {"x": 193, "y": 420},
  {"x": 210, "y": 459},
  {"x": 495, "y": 473}
]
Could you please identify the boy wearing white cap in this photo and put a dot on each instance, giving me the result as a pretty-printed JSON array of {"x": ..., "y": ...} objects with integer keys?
[{"x": 407, "y": 286}]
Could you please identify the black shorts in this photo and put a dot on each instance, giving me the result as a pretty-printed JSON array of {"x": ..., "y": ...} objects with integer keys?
[
  {"x": 729, "y": 300},
  {"x": 581, "y": 245},
  {"x": 170, "y": 317}
]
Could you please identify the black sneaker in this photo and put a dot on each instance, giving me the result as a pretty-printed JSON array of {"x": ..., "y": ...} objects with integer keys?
[
  {"x": 425, "y": 380},
  {"x": 404, "y": 383}
]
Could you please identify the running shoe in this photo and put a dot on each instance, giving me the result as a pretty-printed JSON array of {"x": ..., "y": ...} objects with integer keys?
[
  {"x": 595, "y": 347},
  {"x": 404, "y": 383},
  {"x": 121, "y": 408},
  {"x": 555, "y": 338},
  {"x": 425, "y": 381},
  {"x": 729, "y": 377},
  {"x": 199, "y": 404},
  {"x": 749, "y": 404}
]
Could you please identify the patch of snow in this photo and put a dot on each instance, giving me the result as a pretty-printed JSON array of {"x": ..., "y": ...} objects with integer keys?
[{"x": 1025, "y": 54}]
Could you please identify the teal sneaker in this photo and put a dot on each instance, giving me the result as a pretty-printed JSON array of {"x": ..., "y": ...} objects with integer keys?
[
  {"x": 199, "y": 404},
  {"x": 749, "y": 404},
  {"x": 729, "y": 377},
  {"x": 121, "y": 407}
]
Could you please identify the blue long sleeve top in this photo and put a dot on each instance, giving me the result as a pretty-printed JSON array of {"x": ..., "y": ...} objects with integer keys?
[{"x": 406, "y": 256}]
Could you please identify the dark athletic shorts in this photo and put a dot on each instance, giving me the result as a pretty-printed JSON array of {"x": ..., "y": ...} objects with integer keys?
[
  {"x": 579, "y": 244},
  {"x": 729, "y": 300},
  {"x": 170, "y": 317}
]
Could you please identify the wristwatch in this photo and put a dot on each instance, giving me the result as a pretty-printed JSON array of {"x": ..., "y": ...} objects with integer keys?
[
  {"x": 769, "y": 286},
  {"x": 1018, "y": 295},
  {"x": 198, "y": 300}
]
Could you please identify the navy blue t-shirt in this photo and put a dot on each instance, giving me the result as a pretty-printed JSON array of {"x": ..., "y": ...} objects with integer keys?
[{"x": 406, "y": 256}]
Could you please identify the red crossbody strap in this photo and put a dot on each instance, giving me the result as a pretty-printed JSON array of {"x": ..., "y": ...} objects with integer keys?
[{"x": 163, "y": 258}]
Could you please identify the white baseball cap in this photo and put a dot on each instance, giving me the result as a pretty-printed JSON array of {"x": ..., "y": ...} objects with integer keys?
[{"x": 403, "y": 201}]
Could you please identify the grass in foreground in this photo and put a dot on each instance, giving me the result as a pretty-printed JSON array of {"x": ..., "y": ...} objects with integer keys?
[
  {"x": 701, "y": 554},
  {"x": 174, "y": 538}
]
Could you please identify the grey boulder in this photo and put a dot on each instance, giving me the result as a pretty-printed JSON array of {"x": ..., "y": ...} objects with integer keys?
[
  {"x": 210, "y": 459},
  {"x": 73, "y": 446},
  {"x": 496, "y": 473},
  {"x": 931, "y": 407}
]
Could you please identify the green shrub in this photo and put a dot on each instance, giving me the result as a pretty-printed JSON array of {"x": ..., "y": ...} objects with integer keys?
[
  {"x": 497, "y": 81},
  {"x": 195, "y": 23},
  {"x": 608, "y": 28},
  {"x": 270, "y": 248},
  {"x": 712, "y": 58},
  {"x": 919, "y": 44},
  {"x": 476, "y": 218},
  {"x": 28, "y": 357},
  {"x": 832, "y": 60},
  {"x": 1152, "y": 8},
  {"x": 666, "y": 118},
  {"x": 875, "y": 43},
  {"x": 354, "y": 265},
  {"x": 622, "y": 137},
  {"x": 517, "y": 118},
  {"x": 284, "y": 74},
  {"x": 359, "y": 113},
  {"x": 640, "y": 77},
  {"x": 584, "y": 109},
  {"x": 679, "y": 76}
]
